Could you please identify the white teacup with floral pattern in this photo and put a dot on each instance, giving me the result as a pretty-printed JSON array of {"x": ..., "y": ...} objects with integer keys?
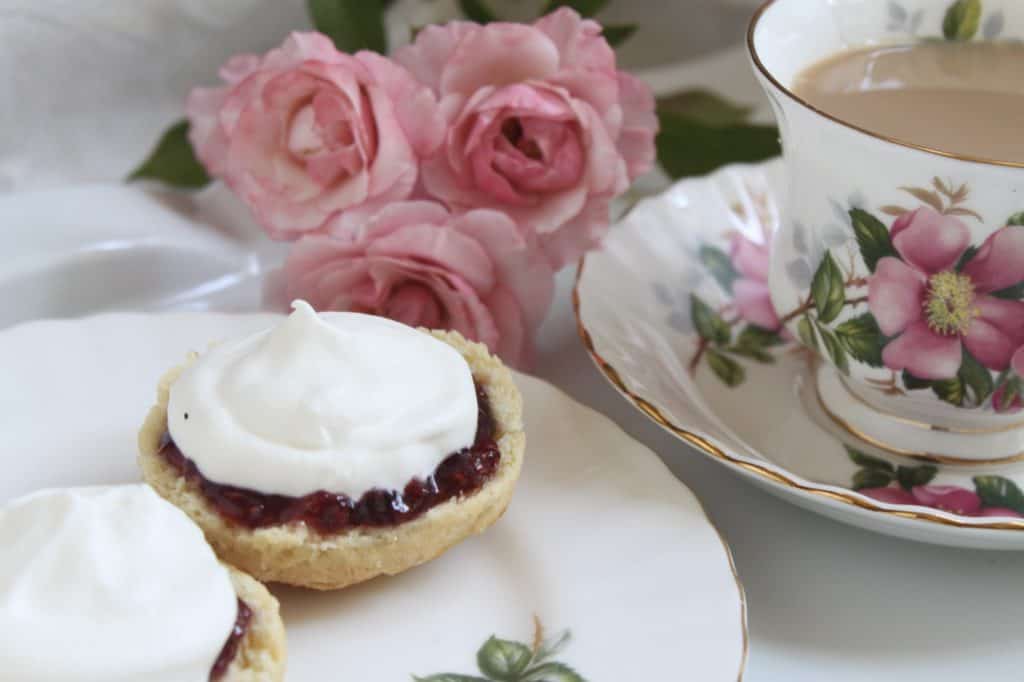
[{"x": 902, "y": 266}]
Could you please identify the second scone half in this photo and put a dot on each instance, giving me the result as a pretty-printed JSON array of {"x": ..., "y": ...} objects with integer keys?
[{"x": 300, "y": 553}]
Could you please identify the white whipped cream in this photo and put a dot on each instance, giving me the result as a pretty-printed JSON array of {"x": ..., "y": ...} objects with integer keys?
[
  {"x": 341, "y": 402},
  {"x": 108, "y": 584}
]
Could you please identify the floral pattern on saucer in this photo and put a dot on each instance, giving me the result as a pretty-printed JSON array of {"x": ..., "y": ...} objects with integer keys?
[{"x": 961, "y": 20}]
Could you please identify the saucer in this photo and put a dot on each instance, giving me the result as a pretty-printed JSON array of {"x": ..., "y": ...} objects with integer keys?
[
  {"x": 600, "y": 540},
  {"x": 661, "y": 309}
]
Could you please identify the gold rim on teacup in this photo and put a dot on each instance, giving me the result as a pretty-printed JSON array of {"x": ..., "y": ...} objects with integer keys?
[{"x": 756, "y": 59}]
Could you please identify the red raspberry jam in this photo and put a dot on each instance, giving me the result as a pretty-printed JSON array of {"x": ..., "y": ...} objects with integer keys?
[
  {"x": 461, "y": 473},
  {"x": 230, "y": 650}
]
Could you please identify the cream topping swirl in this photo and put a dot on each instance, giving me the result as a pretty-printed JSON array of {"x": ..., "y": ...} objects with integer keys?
[
  {"x": 341, "y": 402},
  {"x": 108, "y": 584}
]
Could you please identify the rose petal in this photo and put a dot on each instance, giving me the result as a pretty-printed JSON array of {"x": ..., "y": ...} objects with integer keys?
[
  {"x": 999, "y": 263},
  {"x": 639, "y": 125},
  {"x": 999, "y": 511},
  {"x": 998, "y": 331},
  {"x": 754, "y": 303},
  {"x": 929, "y": 240},
  {"x": 1017, "y": 362},
  {"x": 949, "y": 498},
  {"x": 924, "y": 353},
  {"x": 889, "y": 495},
  {"x": 499, "y": 54},
  {"x": 751, "y": 259},
  {"x": 433, "y": 47},
  {"x": 895, "y": 295}
]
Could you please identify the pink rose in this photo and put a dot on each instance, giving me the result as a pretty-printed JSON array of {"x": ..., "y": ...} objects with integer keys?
[
  {"x": 306, "y": 132},
  {"x": 935, "y": 310},
  {"x": 478, "y": 273},
  {"x": 751, "y": 296},
  {"x": 889, "y": 495},
  {"x": 1017, "y": 362},
  {"x": 541, "y": 124},
  {"x": 949, "y": 498}
]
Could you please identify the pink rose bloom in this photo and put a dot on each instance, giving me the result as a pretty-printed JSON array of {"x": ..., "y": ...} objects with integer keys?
[
  {"x": 949, "y": 498},
  {"x": 478, "y": 273},
  {"x": 999, "y": 511},
  {"x": 306, "y": 132},
  {"x": 1017, "y": 362},
  {"x": 889, "y": 495},
  {"x": 541, "y": 124},
  {"x": 750, "y": 291},
  {"x": 935, "y": 311}
]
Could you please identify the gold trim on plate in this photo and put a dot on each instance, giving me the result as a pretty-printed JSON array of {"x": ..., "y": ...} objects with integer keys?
[
  {"x": 759, "y": 470},
  {"x": 756, "y": 59},
  {"x": 912, "y": 454}
]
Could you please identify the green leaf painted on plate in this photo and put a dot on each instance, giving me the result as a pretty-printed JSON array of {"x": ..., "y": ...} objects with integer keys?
[
  {"x": 996, "y": 491},
  {"x": 503, "y": 659},
  {"x": 872, "y": 237},
  {"x": 173, "y": 161},
  {"x": 965, "y": 258},
  {"x": 908, "y": 477},
  {"x": 868, "y": 461},
  {"x": 616, "y": 34},
  {"x": 719, "y": 265},
  {"x": 587, "y": 8},
  {"x": 1016, "y": 219},
  {"x": 951, "y": 391},
  {"x": 450, "y": 677},
  {"x": 962, "y": 20},
  {"x": 353, "y": 25},
  {"x": 705, "y": 106},
  {"x": 727, "y": 369},
  {"x": 862, "y": 339},
  {"x": 1014, "y": 293},
  {"x": 709, "y": 324},
  {"x": 687, "y": 147},
  {"x": 754, "y": 341},
  {"x": 913, "y": 383},
  {"x": 552, "y": 672},
  {"x": 828, "y": 290},
  {"x": 977, "y": 380},
  {"x": 476, "y": 10},
  {"x": 834, "y": 349},
  {"x": 1011, "y": 392},
  {"x": 871, "y": 478},
  {"x": 805, "y": 329}
]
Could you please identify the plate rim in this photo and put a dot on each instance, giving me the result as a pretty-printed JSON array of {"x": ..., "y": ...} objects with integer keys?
[{"x": 780, "y": 479}]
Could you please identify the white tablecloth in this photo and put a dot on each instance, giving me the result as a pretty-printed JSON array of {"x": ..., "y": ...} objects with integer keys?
[{"x": 89, "y": 84}]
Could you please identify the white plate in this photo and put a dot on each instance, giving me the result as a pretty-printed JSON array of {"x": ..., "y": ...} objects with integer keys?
[
  {"x": 600, "y": 539},
  {"x": 633, "y": 308}
]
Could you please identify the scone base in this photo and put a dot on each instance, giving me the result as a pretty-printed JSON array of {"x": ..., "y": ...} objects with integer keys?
[
  {"x": 262, "y": 653},
  {"x": 296, "y": 555}
]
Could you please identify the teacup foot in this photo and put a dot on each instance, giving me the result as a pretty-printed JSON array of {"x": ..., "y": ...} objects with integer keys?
[{"x": 897, "y": 432}]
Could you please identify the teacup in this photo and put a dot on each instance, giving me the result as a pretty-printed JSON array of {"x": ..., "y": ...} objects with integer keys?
[{"x": 871, "y": 266}]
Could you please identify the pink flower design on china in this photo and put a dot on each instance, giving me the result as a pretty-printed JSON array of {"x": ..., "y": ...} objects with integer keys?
[
  {"x": 478, "y": 273},
  {"x": 751, "y": 296},
  {"x": 936, "y": 306},
  {"x": 1008, "y": 398},
  {"x": 306, "y": 132},
  {"x": 949, "y": 498},
  {"x": 541, "y": 124}
]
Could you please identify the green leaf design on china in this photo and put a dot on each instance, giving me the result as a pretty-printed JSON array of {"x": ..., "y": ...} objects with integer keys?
[
  {"x": 805, "y": 330},
  {"x": 962, "y": 20},
  {"x": 1016, "y": 219},
  {"x": 835, "y": 350},
  {"x": 352, "y": 25},
  {"x": 997, "y": 491},
  {"x": 502, "y": 659},
  {"x": 552, "y": 672},
  {"x": 872, "y": 238},
  {"x": 862, "y": 339},
  {"x": 828, "y": 290},
  {"x": 866, "y": 461},
  {"x": 754, "y": 341},
  {"x": 709, "y": 324},
  {"x": 977, "y": 380},
  {"x": 908, "y": 477},
  {"x": 725, "y": 368},
  {"x": 450, "y": 677},
  {"x": 173, "y": 161},
  {"x": 719, "y": 265},
  {"x": 871, "y": 478}
]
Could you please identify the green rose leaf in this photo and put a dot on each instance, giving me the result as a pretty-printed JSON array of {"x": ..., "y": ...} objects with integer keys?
[
  {"x": 353, "y": 25},
  {"x": 1011, "y": 392},
  {"x": 476, "y": 10},
  {"x": 862, "y": 339},
  {"x": 705, "y": 106},
  {"x": 587, "y": 8},
  {"x": 835, "y": 350},
  {"x": 872, "y": 238},
  {"x": 908, "y": 477},
  {"x": 806, "y": 331},
  {"x": 977, "y": 380},
  {"x": 173, "y": 161},
  {"x": 727, "y": 369},
  {"x": 962, "y": 20},
  {"x": 709, "y": 324},
  {"x": 551, "y": 647},
  {"x": 502, "y": 659},
  {"x": 618, "y": 33},
  {"x": 719, "y": 265},
  {"x": 753, "y": 341},
  {"x": 952, "y": 391},
  {"x": 965, "y": 258},
  {"x": 552, "y": 672},
  {"x": 871, "y": 478},
  {"x": 1016, "y": 219},
  {"x": 867, "y": 461},
  {"x": 828, "y": 290},
  {"x": 996, "y": 491},
  {"x": 912, "y": 383},
  {"x": 689, "y": 147},
  {"x": 450, "y": 677}
]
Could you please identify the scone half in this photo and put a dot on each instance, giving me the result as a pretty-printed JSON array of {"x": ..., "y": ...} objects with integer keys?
[
  {"x": 298, "y": 555},
  {"x": 262, "y": 651}
]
